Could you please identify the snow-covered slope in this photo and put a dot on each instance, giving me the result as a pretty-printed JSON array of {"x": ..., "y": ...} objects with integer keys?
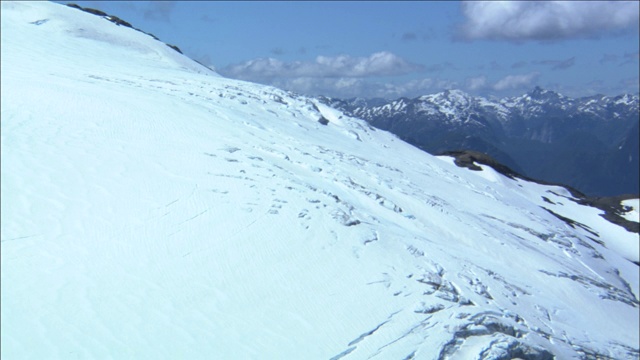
[{"x": 154, "y": 210}]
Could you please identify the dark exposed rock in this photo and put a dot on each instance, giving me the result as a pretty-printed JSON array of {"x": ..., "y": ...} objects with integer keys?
[
  {"x": 92, "y": 11},
  {"x": 612, "y": 207},
  {"x": 468, "y": 158},
  {"x": 116, "y": 20},
  {"x": 174, "y": 48},
  {"x": 150, "y": 34},
  {"x": 572, "y": 222},
  {"x": 613, "y": 210}
]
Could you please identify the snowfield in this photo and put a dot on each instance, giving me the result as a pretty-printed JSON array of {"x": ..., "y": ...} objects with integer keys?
[
  {"x": 634, "y": 209},
  {"x": 152, "y": 209}
]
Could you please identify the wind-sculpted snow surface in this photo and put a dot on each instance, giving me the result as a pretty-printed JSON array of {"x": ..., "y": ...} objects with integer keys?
[{"x": 152, "y": 210}]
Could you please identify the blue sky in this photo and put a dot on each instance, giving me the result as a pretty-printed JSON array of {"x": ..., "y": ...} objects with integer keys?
[{"x": 393, "y": 49}]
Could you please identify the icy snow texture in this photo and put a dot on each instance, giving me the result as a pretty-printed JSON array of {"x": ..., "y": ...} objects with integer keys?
[{"x": 152, "y": 209}]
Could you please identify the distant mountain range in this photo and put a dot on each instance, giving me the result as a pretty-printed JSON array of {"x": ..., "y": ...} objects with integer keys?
[{"x": 590, "y": 143}]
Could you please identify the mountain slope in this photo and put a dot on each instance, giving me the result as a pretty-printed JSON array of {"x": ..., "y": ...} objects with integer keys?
[
  {"x": 542, "y": 134},
  {"x": 153, "y": 209}
]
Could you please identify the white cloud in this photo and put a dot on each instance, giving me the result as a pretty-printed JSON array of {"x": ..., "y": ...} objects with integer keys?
[
  {"x": 546, "y": 20},
  {"x": 512, "y": 82},
  {"x": 378, "y": 64},
  {"x": 515, "y": 84},
  {"x": 420, "y": 87},
  {"x": 476, "y": 83},
  {"x": 334, "y": 87},
  {"x": 346, "y": 87}
]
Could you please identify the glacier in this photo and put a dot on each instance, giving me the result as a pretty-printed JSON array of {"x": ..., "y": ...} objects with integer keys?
[{"x": 151, "y": 208}]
